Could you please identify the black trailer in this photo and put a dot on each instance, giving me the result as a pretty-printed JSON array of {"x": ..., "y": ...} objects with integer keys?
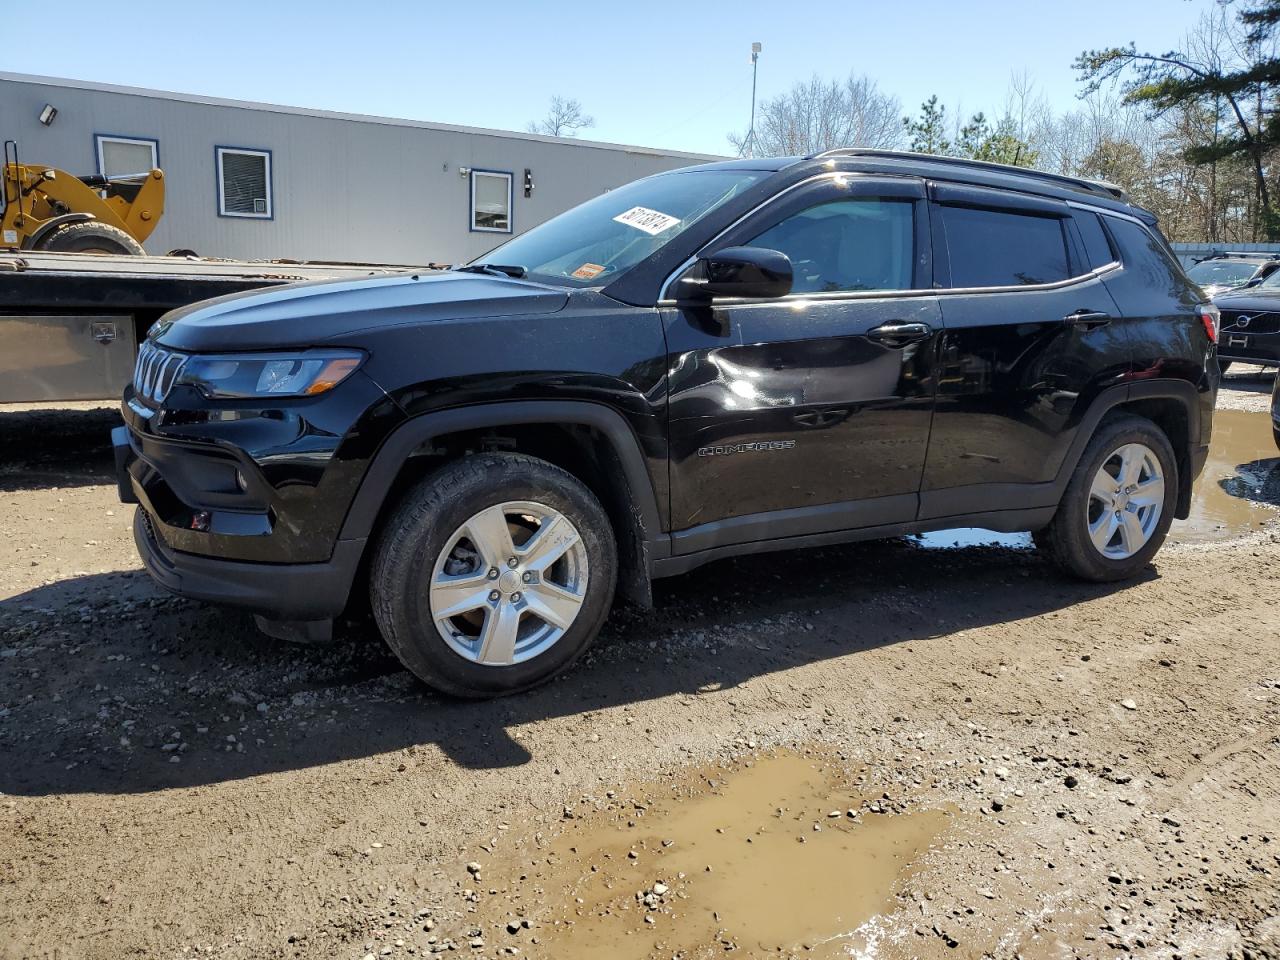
[{"x": 70, "y": 323}]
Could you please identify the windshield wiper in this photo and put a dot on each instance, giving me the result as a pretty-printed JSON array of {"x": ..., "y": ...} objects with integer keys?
[{"x": 494, "y": 269}]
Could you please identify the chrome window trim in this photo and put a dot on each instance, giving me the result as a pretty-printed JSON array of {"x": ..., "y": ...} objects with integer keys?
[{"x": 908, "y": 294}]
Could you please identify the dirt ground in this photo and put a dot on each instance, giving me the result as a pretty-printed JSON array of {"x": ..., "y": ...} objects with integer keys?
[{"x": 882, "y": 750}]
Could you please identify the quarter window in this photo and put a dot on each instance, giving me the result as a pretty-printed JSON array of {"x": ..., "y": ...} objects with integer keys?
[
  {"x": 997, "y": 248},
  {"x": 244, "y": 183},
  {"x": 847, "y": 245},
  {"x": 490, "y": 201},
  {"x": 1142, "y": 251},
  {"x": 122, "y": 156}
]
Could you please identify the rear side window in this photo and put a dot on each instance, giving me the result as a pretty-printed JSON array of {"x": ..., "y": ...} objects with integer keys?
[
  {"x": 998, "y": 248},
  {"x": 1096, "y": 245}
]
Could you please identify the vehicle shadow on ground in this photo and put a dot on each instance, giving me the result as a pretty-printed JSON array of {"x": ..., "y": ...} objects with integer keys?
[
  {"x": 40, "y": 449},
  {"x": 183, "y": 672}
]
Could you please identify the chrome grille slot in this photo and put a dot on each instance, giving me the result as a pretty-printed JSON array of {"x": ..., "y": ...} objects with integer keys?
[
  {"x": 156, "y": 372},
  {"x": 1248, "y": 321}
]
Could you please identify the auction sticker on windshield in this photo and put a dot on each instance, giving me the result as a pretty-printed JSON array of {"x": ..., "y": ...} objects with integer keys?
[
  {"x": 588, "y": 271},
  {"x": 650, "y": 221}
]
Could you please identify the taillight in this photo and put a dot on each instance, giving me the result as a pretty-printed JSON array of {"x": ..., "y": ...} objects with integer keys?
[{"x": 1209, "y": 316}]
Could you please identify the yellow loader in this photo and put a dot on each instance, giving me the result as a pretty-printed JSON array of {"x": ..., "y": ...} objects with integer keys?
[{"x": 48, "y": 209}]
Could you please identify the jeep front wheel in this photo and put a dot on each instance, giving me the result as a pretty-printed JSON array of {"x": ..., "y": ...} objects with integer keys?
[
  {"x": 493, "y": 575},
  {"x": 1118, "y": 505}
]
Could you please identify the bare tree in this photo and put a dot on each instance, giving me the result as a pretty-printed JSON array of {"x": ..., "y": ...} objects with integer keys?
[
  {"x": 820, "y": 115},
  {"x": 565, "y": 117},
  {"x": 1228, "y": 66}
]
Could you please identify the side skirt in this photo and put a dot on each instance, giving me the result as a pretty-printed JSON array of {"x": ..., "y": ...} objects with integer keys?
[{"x": 1001, "y": 521}]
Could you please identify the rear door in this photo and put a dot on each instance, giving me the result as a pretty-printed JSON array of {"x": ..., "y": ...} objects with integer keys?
[
  {"x": 809, "y": 412},
  {"x": 1031, "y": 336}
]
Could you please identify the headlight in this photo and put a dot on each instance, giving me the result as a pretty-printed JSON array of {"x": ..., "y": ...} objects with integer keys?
[{"x": 301, "y": 374}]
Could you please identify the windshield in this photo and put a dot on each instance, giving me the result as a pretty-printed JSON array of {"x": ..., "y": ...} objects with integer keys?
[
  {"x": 596, "y": 241},
  {"x": 1224, "y": 273}
]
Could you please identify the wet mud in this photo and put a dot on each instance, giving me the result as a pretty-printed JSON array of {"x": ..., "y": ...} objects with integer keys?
[
  {"x": 785, "y": 854},
  {"x": 1239, "y": 490}
]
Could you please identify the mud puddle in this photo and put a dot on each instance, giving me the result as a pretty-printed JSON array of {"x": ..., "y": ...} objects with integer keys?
[
  {"x": 783, "y": 856},
  {"x": 1240, "y": 486},
  {"x": 970, "y": 537}
]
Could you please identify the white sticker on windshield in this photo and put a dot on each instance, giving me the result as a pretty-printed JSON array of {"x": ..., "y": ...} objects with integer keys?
[{"x": 650, "y": 221}]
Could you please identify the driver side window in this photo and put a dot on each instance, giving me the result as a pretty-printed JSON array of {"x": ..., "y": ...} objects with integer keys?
[{"x": 856, "y": 244}]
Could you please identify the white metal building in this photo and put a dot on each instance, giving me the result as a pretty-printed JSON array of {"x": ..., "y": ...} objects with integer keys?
[{"x": 255, "y": 180}]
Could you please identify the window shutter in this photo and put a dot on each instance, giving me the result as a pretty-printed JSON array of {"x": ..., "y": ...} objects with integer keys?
[{"x": 244, "y": 183}]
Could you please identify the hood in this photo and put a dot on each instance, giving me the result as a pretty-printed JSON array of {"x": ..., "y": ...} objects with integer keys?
[
  {"x": 311, "y": 314},
  {"x": 1217, "y": 289},
  {"x": 1256, "y": 298}
]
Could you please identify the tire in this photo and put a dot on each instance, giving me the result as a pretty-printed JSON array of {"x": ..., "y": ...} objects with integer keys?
[
  {"x": 1067, "y": 540},
  {"x": 426, "y": 548},
  {"x": 90, "y": 236}
]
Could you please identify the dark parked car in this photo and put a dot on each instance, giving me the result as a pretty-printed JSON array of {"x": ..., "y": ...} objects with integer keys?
[
  {"x": 1250, "y": 324},
  {"x": 1275, "y": 411},
  {"x": 1221, "y": 272},
  {"x": 737, "y": 357}
]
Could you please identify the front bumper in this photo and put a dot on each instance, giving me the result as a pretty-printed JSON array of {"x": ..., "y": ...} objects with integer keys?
[
  {"x": 298, "y": 591},
  {"x": 1248, "y": 346},
  {"x": 264, "y": 551}
]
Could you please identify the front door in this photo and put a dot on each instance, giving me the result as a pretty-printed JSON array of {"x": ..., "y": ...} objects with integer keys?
[{"x": 809, "y": 413}]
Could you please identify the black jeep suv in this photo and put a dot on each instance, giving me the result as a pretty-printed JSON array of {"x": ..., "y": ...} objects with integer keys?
[{"x": 735, "y": 357}]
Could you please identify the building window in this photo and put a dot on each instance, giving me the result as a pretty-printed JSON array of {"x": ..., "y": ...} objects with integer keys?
[
  {"x": 491, "y": 201},
  {"x": 244, "y": 183},
  {"x": 122, "y": 156}
]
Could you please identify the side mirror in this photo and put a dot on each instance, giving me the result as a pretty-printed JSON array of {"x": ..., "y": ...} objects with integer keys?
[
  {"x": 1254, "y": 282},
  {"x": 751, "y": 272}
]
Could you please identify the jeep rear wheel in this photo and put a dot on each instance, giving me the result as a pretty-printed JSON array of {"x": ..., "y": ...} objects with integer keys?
[
  {"x": 1116, "y": 510},
  {"x": 493, "y": 575}
]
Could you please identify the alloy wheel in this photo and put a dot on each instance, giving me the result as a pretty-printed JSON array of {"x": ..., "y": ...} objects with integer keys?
[
  {"x": 1125, "y": 501},
  {"x": 508, "y": 584}
]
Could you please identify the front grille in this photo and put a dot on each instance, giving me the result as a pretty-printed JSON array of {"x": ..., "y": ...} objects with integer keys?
[
  {"x": 147, "y": 524},
  {"x": 155, "y": 372},
  {"x": 1249, "y": 321}
]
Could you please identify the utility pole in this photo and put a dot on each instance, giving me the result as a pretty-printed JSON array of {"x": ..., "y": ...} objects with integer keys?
[{"x": 749, "y": 146}]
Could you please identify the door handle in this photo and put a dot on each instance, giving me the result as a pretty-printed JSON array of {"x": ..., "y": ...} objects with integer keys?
[
  {"x": 900, "y": 334},
  {"x": 1087, "y": 319}
]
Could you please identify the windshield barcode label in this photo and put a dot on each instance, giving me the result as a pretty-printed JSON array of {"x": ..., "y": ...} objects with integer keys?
[{"x": 650, "y": 221}]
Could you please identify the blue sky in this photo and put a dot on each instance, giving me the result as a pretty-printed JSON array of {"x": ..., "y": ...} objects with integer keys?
[{"x": 674, "y": 75}]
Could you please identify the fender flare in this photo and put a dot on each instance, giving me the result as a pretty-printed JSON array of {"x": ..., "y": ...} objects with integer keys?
[
  {"x": 52, "y": 225},
  {"x": 413, "y": 433}
]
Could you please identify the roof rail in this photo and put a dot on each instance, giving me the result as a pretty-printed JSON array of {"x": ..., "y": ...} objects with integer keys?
[
  {"x": 1244, "y": 254},
  {"x": 1096, "y": 187}
]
